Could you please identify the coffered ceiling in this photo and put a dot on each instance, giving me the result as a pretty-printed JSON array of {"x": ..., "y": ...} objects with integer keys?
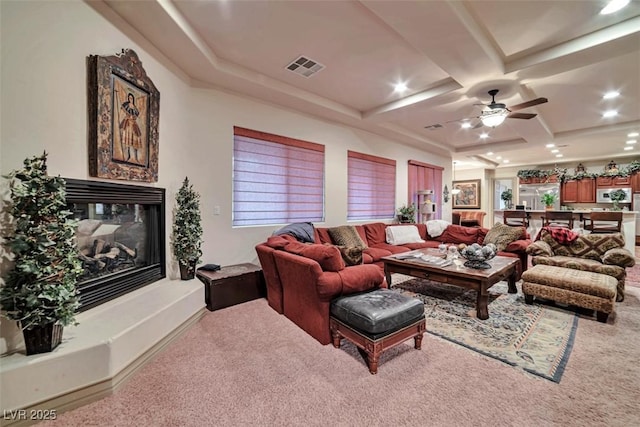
[{"x": 449, "y": 54}]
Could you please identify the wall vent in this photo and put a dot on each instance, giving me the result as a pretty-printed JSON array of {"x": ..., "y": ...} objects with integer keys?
[
  {"x": 434, "y": 126},
  {"x": 304, "y": 66}
]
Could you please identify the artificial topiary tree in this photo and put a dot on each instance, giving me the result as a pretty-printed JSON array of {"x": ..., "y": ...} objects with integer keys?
[
  {"x": 187, "y": 230},
  {"x": 40, "y": 291}
]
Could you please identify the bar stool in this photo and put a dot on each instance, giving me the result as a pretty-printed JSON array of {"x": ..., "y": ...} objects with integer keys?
[
  {"x": 517, "y": 218},
  {"x": 605, "y": 222},
  {"x": 558, "y": 219}
]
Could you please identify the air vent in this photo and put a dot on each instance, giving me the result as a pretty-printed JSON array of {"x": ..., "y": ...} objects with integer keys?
[
  {"x": 434, "y": 127},
  {"x": 304, "y": 66}
]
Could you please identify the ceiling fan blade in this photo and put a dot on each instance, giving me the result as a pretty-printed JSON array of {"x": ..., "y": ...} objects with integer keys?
[
  {"x": 528, "y": 104},
  {"x": 525, "y": 116}
]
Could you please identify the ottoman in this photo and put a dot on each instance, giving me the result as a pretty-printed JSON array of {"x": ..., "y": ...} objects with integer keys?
[
  {"x": 375, "y": 321},
  {"x": 584, "y": 289}
]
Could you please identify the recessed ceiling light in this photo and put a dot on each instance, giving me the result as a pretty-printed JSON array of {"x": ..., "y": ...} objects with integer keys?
[
  {"x": 558, "y": 155},
  {"x": 550, "y": 145},
  {"x": 490, "y": 153},
  {"x": 632, "y": 134},
  {"x": 484, "y": 135},
  {"x": 632, "y": 141},
  {"x": 466, "y": 125},
  {"x": 628, "y": 148},
  {"x": 555, "y": 151},
  {"x": 610, "y": 113},
  {"x": 400, "y": 87},
  {"x": 505, "y": 161},
  {"x": 610, "y": 95},
  {"x": 614, "y": 6},
  {"x": 499, "y": 157}
]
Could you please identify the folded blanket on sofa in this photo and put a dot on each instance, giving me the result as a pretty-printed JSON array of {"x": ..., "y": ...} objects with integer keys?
[
  {"x": 303, "y": 231},
  {"x": 436, "y": 227},
  {"x": 403, "y": 234},
  {"x": 564, "y": 236}
]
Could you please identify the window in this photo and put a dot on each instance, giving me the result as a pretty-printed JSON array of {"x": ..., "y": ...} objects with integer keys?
[
  {"x": 372, "y": 187},
  {"x": 276, "y": 180},
  {"x": 424, "y": 176}
]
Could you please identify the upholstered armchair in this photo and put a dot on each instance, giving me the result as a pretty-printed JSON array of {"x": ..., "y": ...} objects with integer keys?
[
  {"x": 471, "y": 218},
  {"x": 598, "y": 253}
]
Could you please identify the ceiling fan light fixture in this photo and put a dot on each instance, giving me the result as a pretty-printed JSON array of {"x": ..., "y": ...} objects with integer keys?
[
  {"x": 493, "y": 118},
  {"x": 614, "y": 6}
]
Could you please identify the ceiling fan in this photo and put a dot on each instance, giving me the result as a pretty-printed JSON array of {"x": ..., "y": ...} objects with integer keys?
[{"x": 495, "y": 112}]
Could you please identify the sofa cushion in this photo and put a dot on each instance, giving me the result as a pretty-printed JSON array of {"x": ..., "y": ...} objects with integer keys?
[
  {"x": 458, "y": 234},
  {"x": 619, "y": 256},
  {"x": 327, "y": 256},
  {"x": 377, "y": 253},
  {"x": 591, "y": 246},
  {"x": 402, "y": 235},
  {"x": 375, "y": 233},
  {"x": 346, "y": 235},
  {"x": 501, "y": 235}
]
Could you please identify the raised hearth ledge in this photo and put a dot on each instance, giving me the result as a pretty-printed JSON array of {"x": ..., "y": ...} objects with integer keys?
[{"x": 108, "y": 345}]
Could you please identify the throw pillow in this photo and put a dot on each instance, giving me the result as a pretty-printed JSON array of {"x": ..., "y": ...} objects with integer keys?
[
  {"x": 351, "y": 255},
  {"x": 346, "y": 235},
  {"x": 403, "y": 234},
  {"x": 501, "y": 235}
]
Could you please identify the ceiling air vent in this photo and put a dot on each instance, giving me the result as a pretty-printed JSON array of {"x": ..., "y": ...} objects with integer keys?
[
  {"x": 434, "y": 127},
  {"x": 304, "y": 66}
]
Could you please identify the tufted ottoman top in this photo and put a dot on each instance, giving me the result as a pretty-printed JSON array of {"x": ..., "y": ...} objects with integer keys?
[{"x": 378, "y": 311}]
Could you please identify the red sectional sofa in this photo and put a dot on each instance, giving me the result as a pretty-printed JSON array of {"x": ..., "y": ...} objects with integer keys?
[{"x": 302, "y": 279}]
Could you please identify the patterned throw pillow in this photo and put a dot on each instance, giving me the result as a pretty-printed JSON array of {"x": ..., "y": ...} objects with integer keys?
[
  {"x": 346, "y": 235},
  {"x": 501, "y": 235},
  {"x": 351, "y": 255}
]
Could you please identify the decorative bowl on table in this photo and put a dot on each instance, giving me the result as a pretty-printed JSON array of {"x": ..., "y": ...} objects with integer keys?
[{"x": 477, "y": 255}]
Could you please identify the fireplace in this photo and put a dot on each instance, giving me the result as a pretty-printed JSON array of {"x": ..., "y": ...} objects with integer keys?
[{"x": 120, "y": 237}]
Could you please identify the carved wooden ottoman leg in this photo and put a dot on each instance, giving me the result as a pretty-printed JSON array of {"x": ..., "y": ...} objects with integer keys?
[
  {"x": 372, "y": 362},
  {"x": 418, "y": 342},
  {"x": 335, "y": 334}
]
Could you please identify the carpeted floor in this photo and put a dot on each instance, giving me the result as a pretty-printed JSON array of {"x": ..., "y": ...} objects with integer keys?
[
  {"x": 537, "y": 338},
  {"x": 248, "y": 365}
]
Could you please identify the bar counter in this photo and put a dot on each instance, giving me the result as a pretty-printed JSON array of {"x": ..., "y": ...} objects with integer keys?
[{"x": 579, "y": 215}]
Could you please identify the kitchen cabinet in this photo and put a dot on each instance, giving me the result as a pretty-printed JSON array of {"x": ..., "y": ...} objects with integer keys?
[
  {"x": 613, "y": 181},
  {"x": 578, "y": 191},
  {"x": 635, "y": 182}
]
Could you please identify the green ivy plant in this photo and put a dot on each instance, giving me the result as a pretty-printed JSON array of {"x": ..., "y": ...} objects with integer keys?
[
  {"x": 407, "y": 210},
  {"x": 187, "y": 228},
  {"x": 563, "y": 176},
  {"x": 41, "y": 287}
]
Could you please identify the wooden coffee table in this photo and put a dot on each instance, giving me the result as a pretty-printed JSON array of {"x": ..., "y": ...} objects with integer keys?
[{"x": 480, "y": 280}]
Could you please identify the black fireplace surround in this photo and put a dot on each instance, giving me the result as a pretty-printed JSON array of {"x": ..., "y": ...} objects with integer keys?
[{"x": 120, "y": 237}]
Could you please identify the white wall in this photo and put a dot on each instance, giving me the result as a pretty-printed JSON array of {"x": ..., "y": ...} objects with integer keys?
[{"x": 44, "y": 107}]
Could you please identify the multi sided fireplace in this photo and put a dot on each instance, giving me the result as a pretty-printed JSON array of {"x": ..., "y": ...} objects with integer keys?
[{"x": 120, "y": 237}]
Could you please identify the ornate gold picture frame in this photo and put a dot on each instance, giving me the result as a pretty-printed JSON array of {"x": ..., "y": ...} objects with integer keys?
[
  {"x": 124, "y": 106},
  {"x": 469, "y": 195}
]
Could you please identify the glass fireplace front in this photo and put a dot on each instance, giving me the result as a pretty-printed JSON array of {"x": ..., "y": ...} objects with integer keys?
[{"x": 120, "y": 238}]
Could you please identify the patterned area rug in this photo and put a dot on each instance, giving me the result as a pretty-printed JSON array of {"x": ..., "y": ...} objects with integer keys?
[{"x": 535, "y": 338}]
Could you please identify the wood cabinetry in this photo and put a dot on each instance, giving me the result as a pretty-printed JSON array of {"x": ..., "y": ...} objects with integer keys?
[
  {"x": 231, "y": 285},
  {"x": 613, "y": 181},
  {"x": 578, "y": 191},
  {"x": 635, "y": 182}
]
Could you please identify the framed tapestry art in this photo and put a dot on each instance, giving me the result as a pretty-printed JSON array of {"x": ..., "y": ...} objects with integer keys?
[
  {"x": 124, "y": 107},
  {"x": 469, "y": 195}
]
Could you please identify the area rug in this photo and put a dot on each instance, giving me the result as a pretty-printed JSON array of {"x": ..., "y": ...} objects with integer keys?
[{"x": 535, "y": 338}]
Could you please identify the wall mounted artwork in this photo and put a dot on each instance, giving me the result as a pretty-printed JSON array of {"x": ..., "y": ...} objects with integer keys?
[
  {"x": 469, "y": 195},
  {"x": 124, "y": 106}
]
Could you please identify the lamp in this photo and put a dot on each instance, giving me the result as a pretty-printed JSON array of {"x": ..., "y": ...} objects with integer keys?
[
  {"x": 454, "y": 190},
  {"x": 495, "y": 117}
]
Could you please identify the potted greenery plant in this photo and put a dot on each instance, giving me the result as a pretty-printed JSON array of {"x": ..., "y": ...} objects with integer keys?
[
  {"x": 407, "y": 213},
  {"x": 616, "y": 197},
  {"x": 40, "y": 290},
  {"x": 548, "y": 199},
  {"x": 506, "y": 197},
  {"x": 187, "y": 230}
]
